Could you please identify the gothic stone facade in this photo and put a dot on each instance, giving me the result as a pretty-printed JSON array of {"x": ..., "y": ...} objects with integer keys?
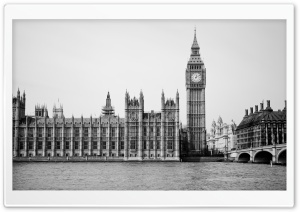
[
  {"x": 195, "y": 87},
  {"x": 139, "y": 136}
]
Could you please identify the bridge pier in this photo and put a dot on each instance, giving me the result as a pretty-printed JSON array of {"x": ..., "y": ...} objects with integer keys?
[
  {"x": 251, "y": 156},
  {"x": 274, "y": 154}
]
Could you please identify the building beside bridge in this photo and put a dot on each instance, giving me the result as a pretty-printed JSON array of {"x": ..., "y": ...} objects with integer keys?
[{"x": 261, "y": 135}]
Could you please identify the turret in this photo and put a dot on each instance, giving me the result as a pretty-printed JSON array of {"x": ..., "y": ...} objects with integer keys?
[
  {"x": 18, "y": 94},
  {"x": 162, "y": 100},
  {"x": 58, "y": 112},
  {"x": 108, "y": 109},
  {"x": 108, "y": 101},
  {"x": 126, "y": 99},
  {"x": 24, "y": 98},
  {"x": 46, "y": 112},
  {"x": 177, "y": 100},
  {"x": 141, "y": 100}
]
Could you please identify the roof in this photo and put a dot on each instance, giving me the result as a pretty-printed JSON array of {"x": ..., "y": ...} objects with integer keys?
[
  {"x": 265, "y": 115},
  {"x": 77, "y": 121},
  {"x": 195, "y": 43}
]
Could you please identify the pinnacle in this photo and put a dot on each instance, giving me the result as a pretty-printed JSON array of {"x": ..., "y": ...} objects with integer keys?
[{"x": 195, "y": 43}]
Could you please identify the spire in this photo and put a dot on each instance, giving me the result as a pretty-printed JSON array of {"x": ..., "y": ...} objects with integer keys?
[
  {"x": 18, "y": 93},
  {"x": 141, "y": 94},
  {"x": 162, "y": 100},
  {"x": 108, "y": 109},
  {"x": 195, "y": 43},
  {"x": 108, "y": 102}
]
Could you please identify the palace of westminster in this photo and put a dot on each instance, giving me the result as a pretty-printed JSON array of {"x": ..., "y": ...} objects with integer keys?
[{"x": 140, "y": 135}]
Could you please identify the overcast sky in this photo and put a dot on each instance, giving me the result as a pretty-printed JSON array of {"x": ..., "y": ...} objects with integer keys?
[{"x": 78, "y": 61}]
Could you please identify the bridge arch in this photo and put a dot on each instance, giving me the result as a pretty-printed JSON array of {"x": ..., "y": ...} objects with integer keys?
[
  {"x": 281, "y": 156},
  {"x": 262, "y": 156},
  {"x": 244, "y": 157}
]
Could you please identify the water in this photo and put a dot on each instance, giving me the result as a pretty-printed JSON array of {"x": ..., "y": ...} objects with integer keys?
[{"x": 147, "y": 176}]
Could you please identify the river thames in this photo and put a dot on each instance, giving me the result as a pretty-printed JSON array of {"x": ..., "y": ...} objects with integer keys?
[{"x": 147, "y": 176}]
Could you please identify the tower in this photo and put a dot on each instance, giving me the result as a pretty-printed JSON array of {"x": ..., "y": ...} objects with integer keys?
[
  {"x": 195, "y": 88},
  {"x": 108, "y": 109},
  {"x": 133, "y": 139},
  {"x": 18, "y": 108},
  {"x": 58, "y": 112}
]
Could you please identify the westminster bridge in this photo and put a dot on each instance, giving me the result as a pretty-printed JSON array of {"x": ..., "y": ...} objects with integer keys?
[{"x": 262, "y": 154}]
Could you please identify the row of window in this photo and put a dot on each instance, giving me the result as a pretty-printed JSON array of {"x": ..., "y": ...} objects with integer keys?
[
  {"x": 67, "y": 133},
  {"x": 269, "y": 125},
  {"x": 195, "y": 66},
  {"x": 262, "y": 142},
  {"x": 133, "y": 145},
  {"x": 95, "y": 155},
  {"x": 113, "y": 132}
]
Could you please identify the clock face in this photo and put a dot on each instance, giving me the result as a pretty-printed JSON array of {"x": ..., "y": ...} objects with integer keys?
[{"x": 196, "y": 77}]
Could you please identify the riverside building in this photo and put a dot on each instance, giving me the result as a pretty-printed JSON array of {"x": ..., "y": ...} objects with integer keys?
[
  {"x": 195, "y": 87},
  {"x": 140, "y": 135},
  {"x": 262, "y": 127}
]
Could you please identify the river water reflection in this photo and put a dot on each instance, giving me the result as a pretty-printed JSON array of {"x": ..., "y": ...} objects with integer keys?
[{"x": 147, "y": 176}]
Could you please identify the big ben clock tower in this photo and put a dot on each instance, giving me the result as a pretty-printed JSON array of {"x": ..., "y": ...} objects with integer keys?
[{"x": 195, "y": 88}]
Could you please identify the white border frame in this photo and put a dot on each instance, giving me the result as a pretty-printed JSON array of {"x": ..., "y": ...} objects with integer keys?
[{"x": 147, "y": 198}]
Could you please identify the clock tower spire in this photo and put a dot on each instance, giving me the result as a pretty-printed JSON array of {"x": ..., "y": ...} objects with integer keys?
[{"x": 195, "y": 88}]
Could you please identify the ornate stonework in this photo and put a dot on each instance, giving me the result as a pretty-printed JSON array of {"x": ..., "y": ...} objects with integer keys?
[{"x": 195, "y": 87}]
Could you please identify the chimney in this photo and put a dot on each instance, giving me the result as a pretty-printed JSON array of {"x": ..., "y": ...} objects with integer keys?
[
  {"x": 251, "y": 110},
  {"x": 261, "y": 106},
  {"x": 268, "y": 108},
  {"x": 256, "y": 108},
  {"x": 246, "y": 112}
]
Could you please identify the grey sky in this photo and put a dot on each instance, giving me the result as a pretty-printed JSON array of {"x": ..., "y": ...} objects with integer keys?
[{"x": 79, "y": 61}]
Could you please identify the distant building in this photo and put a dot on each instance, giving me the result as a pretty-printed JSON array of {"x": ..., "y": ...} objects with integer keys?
[
  {"x": 262, "y": 127},
  {"x": 222, "y": 137}
]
